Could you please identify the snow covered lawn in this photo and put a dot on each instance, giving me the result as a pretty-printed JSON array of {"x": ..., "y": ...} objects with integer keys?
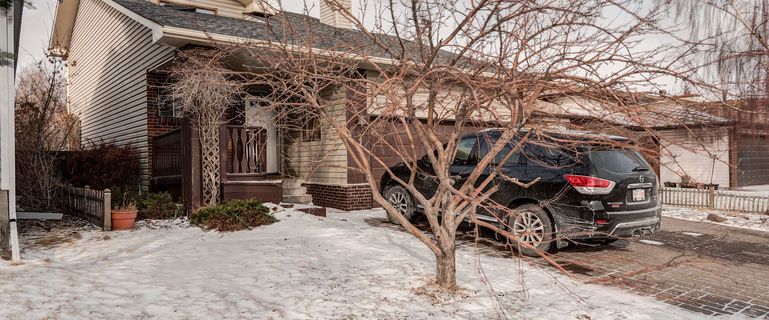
[
  {"x": 755, "y": 221},
  {"x": 303, "y": 267}
]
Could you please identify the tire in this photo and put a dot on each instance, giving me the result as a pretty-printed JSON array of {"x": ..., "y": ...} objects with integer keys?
[
  {"x": 531, "y": 224},
  {"x": 401, "y": 199}
]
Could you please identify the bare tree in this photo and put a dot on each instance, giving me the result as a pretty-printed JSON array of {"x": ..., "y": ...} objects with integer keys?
[
  {"x": 427, "y": 72},
  {"x": 43, "y": 127},
  {"x": 202, "y": 87},
  {"x": 732, "y": 41}
]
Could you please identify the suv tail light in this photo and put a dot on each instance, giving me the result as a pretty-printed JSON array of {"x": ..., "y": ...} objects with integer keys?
[{"x": 589, "y": 185}]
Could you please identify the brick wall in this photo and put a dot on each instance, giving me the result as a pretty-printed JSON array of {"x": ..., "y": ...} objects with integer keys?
[
  {"x": 343, "y": 197},
  {"x": 156, "y": 125}
]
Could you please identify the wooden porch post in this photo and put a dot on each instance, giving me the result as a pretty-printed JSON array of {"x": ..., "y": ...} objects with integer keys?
[{"x": 191, "y": 167}]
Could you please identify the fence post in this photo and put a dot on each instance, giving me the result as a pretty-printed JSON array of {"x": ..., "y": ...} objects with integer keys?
[
  {"x": 107, "y": 210},
  {"x": 711, "y": 198}
]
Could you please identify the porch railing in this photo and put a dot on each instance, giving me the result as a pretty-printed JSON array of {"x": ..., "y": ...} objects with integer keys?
[
  {"x": 167, "y": 154},
  {"x": 246, "y": 149}
]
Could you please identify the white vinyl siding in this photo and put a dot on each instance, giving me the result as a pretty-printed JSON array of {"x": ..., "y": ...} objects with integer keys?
[
  {"x": 689, "y": 153},
  {"x": 391, "y": 100},
  {"x": 325, "y": 160},
  {"x": 107, "y": 85}
]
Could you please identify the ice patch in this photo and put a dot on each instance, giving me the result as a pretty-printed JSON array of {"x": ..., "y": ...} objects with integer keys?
[{"x": 651, "y": 242}]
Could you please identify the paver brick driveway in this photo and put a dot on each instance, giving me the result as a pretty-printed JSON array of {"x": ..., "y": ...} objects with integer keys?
[{"x": 703, "y": 267}]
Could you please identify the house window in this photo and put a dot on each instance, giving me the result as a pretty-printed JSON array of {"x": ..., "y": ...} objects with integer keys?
[
  {"x": 311, "y": 128},
  {"x": 167, "y": 107}
]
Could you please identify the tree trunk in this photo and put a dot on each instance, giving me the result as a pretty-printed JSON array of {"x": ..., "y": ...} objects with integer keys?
[{"x": 446, "y": 268}]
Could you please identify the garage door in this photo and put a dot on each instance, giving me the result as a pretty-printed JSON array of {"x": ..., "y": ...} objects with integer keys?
[{"x": 752, "y": 160}]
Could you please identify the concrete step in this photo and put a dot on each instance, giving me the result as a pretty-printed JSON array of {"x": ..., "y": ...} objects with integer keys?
[
  {"x": 300, "y": 199},
  {"x": 292, "y": 183},
  {"x": 294, "y": 191}
]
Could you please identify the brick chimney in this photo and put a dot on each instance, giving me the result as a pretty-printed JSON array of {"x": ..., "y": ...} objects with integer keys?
[{"x": 330, "y": 13}]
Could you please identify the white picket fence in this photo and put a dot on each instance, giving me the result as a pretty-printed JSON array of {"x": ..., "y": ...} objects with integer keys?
[{"x": 743, "y": 201}]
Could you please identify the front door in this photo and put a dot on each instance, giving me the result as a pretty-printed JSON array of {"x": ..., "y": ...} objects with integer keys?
[{"x": 259, "y": 114}]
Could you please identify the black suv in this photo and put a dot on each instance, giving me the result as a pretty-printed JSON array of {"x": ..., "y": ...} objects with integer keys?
[{"x": 586, "y": 191}]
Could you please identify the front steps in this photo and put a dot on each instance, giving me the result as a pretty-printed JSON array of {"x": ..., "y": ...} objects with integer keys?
[{"x": 293, "y": 192}]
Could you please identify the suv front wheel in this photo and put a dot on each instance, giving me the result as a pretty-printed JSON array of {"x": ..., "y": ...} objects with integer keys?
[
  {"x": 399, "y": 198},
  {"x": 531, "y": 225}
]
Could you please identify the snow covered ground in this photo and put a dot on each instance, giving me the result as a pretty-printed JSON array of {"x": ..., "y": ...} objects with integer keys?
[
  {"x": 755, "y": 221},
  {"x": 303, "y": 267}
]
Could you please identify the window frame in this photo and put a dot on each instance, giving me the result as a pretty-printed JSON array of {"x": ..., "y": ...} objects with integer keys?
[
  {"x": 472, "y": 157},
  {"x": 163, "y": 97}
]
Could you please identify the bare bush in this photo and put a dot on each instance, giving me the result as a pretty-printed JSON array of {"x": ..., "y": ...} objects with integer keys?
[
  {"x": 43, "y": 127},
  {"x": 201, "y": 85}
]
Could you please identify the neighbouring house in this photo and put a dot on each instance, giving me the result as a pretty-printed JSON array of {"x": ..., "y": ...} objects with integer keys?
[
  {"x": 704, "y": 142},
  {"x": 748, "y": 139}
]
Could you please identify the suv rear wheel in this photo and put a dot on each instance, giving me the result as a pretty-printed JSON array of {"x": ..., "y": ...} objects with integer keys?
[
  {"x": 399, "y": 198},
  {"x": 531, "y": 225}
]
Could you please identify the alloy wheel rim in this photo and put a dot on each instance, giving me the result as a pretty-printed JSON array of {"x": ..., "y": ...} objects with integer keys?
[
  {"x": 398, "y": 200},
  {"x": 528, "y": 228}
]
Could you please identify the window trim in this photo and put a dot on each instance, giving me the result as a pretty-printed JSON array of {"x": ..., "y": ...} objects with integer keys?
[
  {"x": 472, "y": 158},
  {"x": 175, "y": 110}
]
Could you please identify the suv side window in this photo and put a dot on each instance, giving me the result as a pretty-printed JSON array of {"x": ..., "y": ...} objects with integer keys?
[
  {"x": 548, "y": 156},
  {"x": 465, "y": 154},
  {"x": 499, "y": 159}
]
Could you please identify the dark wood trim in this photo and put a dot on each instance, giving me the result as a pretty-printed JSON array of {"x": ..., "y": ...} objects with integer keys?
[
  {"x": 223, "y": 159},
  {"x": 191, "y": 168}
]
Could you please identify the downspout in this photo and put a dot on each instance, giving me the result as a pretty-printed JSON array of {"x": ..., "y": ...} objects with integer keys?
[{"x": 8, "y": 19}]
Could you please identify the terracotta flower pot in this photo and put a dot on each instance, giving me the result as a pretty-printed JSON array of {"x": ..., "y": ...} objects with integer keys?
[{"x": 123, "y": 219}]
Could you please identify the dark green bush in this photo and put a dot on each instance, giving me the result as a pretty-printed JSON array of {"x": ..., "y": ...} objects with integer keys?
[
  {"x": 234, "y": 215},
  {"x": 157, "y": 206}
]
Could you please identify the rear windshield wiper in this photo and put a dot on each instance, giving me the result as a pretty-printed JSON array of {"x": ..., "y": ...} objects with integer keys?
[{"x": 639, "y": 168}]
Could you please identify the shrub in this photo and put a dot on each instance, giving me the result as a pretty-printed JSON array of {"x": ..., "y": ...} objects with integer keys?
[
  {"x": 234, "y": 215},
  {"x": 102, "y": 165},
  {"x": 157, "y": 206}
]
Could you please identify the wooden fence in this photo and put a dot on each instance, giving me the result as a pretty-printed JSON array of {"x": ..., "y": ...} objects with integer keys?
[
  {"x": 92, "y": 205},
  {"x": 167, "y": 154},
  {"x": 742, "y": 201}
]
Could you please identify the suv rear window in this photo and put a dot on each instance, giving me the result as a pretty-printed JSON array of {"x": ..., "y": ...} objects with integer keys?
[{"x": 618, "y": 160}]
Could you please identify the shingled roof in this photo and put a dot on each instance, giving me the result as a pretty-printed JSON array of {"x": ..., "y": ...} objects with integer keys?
[{"x": 283, "y": 27}]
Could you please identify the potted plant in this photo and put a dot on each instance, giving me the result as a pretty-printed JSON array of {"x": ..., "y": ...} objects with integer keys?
[{"x": 124, "y": 214}]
